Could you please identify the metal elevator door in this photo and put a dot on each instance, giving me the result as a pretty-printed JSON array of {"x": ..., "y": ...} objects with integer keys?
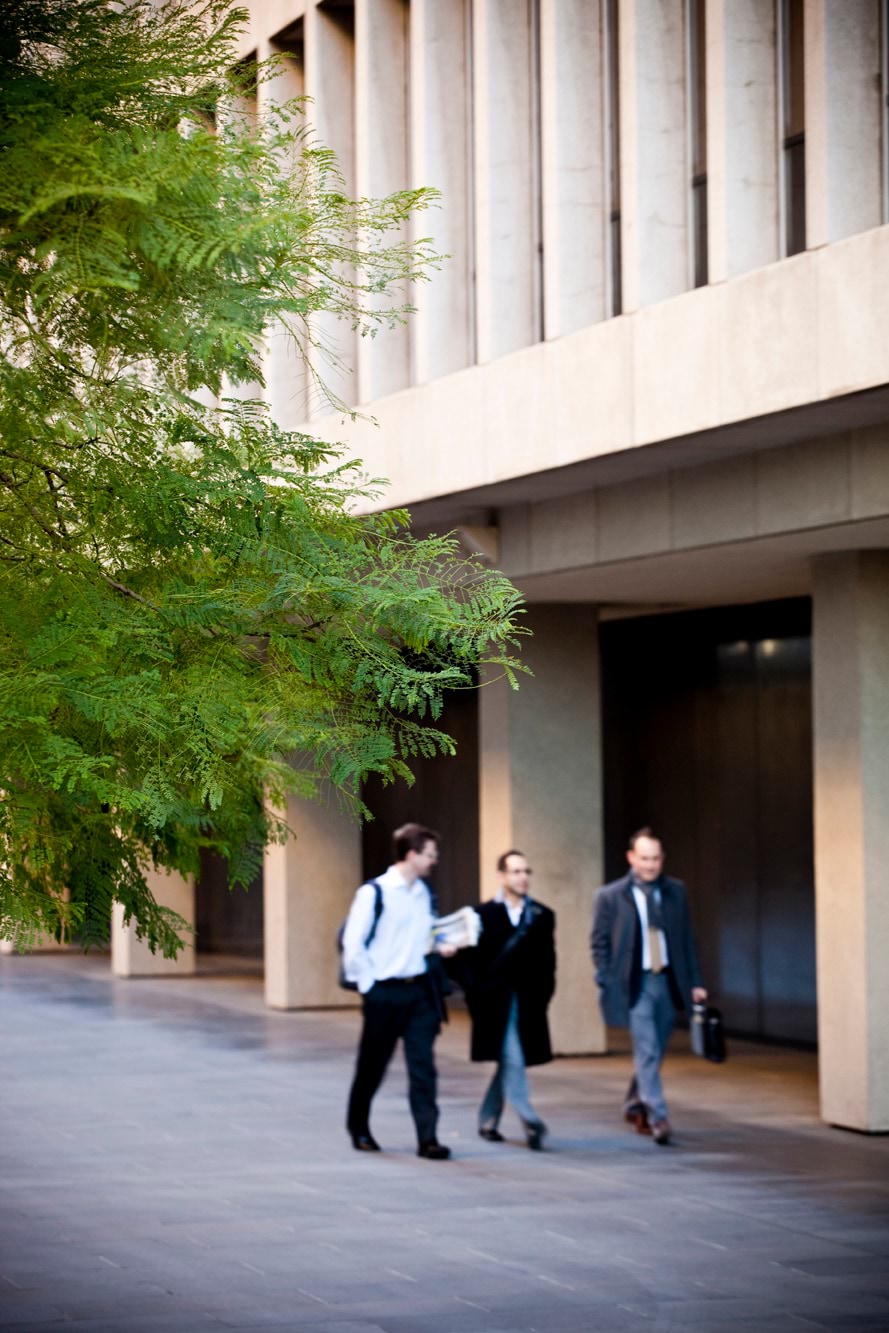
[{"x": 707, "y": 737}]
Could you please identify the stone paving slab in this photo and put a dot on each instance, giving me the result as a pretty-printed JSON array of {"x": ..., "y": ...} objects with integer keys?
[{"x": 172, "y": 1157}]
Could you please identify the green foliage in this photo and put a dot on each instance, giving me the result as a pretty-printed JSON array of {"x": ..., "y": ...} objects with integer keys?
[{"x": 195, "y": 618}]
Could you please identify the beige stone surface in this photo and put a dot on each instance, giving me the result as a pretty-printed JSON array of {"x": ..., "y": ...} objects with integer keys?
[
  {"x": 714, "y": 503},
  {"x": 870, "y": 472},
  {"x": 563, "y": 532},
  {"x": 441, "y": 332},
  {"x": 540, "y": 774},
  {"x": 131, "y": 957},
  {"x": 573, "y": 165},
  {"x": 769, "y": 339},
  {"x": 803, "y": 485},
  {"x": 851, "y": 730},
  {"x": 309, "y": 883},
  {"x": 676, "y": 348},
  {"x": 634, "y": 518},
  {"x": 853, "y": 313}
]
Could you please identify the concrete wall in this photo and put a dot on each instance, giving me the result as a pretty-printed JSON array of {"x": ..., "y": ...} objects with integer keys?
[
  {"x": 844, "y": 189},
  {"x": 802, "y": 331},
  {"x": 506, "y": 137},
  {"x": 851, "y": 716},
  {"x": 443, "y": 329},
  {"x": 573, "y": 165},
  {"x": 131, "y": 957},
  {"x": 742, "y": 115},
  {"x": 802, "y": 487},
  {"x": 655, "y": 189},
  {"x": 308, "y": 884},
  {"x": 541, "y": 791}
]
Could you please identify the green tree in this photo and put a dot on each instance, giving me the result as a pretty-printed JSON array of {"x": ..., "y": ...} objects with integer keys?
[{"x": 195, "y": 618}]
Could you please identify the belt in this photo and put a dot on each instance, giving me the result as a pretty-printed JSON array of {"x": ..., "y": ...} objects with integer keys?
[{"x": 402, "y": 981}]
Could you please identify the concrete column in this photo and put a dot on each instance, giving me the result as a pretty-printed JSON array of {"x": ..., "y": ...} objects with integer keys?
[
  {"x": 851, "y": 726},
  {"x": 286, "y": 379},
  {"x": 505, "y": 100},
  {"x": 843, "y": 119},
  {"x": 442, "y": 331},
  {"x": 131, "y": 957},
  {"x": 654, "y": 152},
  {"x": 329, "y": 44},
  {"x": 742, "y": 129},
  {"x": 381, "y": 163},
  {"x": 541, "y": 791},
  {"x": 43, "y": 944},
  {"x": 573, "y": 165},
  {"x": 309, "y": 883}
]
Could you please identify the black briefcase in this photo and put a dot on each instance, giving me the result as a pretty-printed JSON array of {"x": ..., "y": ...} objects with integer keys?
[{"x": 707, "y": 1033}]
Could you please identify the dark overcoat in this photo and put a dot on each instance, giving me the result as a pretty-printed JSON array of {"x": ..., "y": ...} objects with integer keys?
[
  {"x": 617, "y": 947},
  {"x": 527, "y": 970}
]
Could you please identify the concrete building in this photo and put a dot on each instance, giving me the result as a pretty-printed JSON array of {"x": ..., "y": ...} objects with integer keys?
[{"x": 652, "y": 384}]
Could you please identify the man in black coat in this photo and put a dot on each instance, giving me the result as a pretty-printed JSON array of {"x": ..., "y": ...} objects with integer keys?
[
  {"x": 646, "y": 969},
  {"x": 509, "y": 979}
]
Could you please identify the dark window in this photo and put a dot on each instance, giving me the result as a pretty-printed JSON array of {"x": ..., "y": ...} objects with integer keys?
[
  {"x": 612, "y": 76},
  {"x": 697, "y": 88},
  {"x": 793, "y": 123}
]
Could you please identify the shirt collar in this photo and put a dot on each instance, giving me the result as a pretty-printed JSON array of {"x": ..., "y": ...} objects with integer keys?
[
  {"x": 397, "y": 881},
  {"x": 639, "y": 884}
]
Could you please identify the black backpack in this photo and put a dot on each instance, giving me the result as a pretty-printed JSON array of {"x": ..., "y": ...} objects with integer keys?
[{"x": 378, "y": 912}]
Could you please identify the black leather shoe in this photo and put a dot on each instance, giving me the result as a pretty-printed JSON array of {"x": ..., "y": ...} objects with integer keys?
[
  {"x": 492, "y": 1135},
  {"x": 435, "y": 1151},
  {"x": 365, "y": 1143},
  {"x": 536, "y": 1135}
]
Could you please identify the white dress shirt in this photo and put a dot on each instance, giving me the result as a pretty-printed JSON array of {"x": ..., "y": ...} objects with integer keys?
[
  {"x": 403, "y": 935},
  {"x": 642, "y": 909},
  {"x": 514, "y": 910}
]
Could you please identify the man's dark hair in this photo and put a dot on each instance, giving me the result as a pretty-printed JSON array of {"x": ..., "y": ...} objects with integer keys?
[
  {"x": 412, "y": 838},
  {"x": 502, "y": 860},
  {"x": 646, "y": 832}
]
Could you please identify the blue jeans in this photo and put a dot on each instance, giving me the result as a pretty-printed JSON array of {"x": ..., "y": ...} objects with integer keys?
[
  {"x": 510, "y": 1081},
  {"x": 651, "y": 1022}
]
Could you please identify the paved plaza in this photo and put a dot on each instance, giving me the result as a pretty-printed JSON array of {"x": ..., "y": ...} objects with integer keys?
[{"x": 174, "y": 1158}]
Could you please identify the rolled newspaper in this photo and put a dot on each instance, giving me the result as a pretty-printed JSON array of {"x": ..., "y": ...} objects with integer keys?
[{"x": 458, "y": 930}]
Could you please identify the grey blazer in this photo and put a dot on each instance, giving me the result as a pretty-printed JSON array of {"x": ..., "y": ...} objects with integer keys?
[{"x": 617, "y": 947}]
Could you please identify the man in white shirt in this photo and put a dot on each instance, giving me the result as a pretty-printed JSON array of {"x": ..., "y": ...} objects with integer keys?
[
  {"x": 385, "y": 955},
  {"x": 646, "y": 968}
]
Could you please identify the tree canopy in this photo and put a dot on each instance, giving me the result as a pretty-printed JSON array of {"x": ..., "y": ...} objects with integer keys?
[{"x": 195, "y": 617}]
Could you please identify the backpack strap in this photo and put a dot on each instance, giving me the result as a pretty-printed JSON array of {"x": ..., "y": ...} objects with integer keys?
[{"x": 378, "y": 909}]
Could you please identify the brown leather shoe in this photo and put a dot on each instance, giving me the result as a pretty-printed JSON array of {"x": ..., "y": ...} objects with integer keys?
[
  {"x": 637, "y": 1115},
  {"x": 660, "y": 1132}
]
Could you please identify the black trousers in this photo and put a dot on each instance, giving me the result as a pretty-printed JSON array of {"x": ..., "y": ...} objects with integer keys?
[{"x": 393, "y": 1010}]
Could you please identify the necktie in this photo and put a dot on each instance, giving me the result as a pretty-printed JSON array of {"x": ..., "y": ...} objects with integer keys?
[{"x": 655, "y": 926}]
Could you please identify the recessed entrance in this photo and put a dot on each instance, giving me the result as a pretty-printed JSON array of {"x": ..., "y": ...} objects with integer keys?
[
  {"x": 444, "y": 796},
  {"x": 707, "y": 736}
]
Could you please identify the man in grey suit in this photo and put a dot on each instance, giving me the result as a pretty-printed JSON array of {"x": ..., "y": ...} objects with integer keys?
[{"x": 646, "y": 969}]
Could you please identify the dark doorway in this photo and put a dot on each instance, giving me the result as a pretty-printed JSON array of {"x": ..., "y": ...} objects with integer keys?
[
  {"x": 228, "y": 920},
  {"x": 445, "y": 797},
  {"x": 708, "y": 737}
]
